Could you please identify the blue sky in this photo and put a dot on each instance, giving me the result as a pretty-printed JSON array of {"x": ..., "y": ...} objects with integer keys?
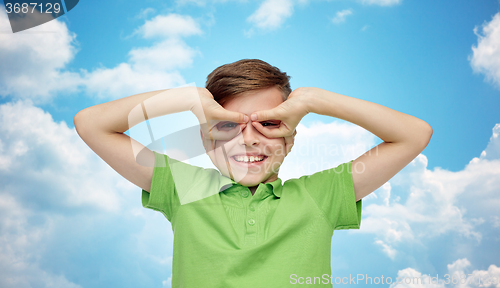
[{"x": 68, "y": 220}]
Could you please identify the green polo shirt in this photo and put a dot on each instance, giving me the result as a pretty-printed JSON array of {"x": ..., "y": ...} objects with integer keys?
[{"x": 225, "y": 237}]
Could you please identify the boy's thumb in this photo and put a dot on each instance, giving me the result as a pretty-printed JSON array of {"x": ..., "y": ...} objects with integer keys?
[
  {"x": 261, "y": 115},
  {"x": 242, "y": 118}
]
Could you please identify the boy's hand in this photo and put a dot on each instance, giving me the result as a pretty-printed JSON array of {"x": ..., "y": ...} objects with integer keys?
[
  {"x": 212, "y": 117},
  {"x": 290, "y": 112},
  {"x": 289, "y": 141}
]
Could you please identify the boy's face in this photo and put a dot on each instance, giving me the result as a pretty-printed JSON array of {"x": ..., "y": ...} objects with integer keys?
[{"x": 268, "y": 153}]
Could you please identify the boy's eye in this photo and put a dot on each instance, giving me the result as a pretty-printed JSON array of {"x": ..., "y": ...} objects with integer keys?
[
  {"x": 226, "y": 126},
  {"x": 270, "y": 124}
]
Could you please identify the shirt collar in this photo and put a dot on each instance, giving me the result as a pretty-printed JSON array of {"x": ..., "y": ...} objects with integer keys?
[{"x": 275, "y": 185}]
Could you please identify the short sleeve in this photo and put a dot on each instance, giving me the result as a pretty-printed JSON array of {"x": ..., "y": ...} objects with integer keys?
[
  {"x": 333, "y": 192},
  {"x": 163, "y": 195},
  {"x": 175, "y": 183}
]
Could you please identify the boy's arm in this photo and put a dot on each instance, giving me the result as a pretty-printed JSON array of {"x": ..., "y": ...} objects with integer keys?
[
  {"x": 404, "y": 136},
  {"x": 102, "y": 126}
]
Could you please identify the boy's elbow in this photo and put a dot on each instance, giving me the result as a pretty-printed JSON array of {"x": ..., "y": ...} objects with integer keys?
[
  {"x": 80, "y": 120},
  {"x": 429, "y": 131},
  {"x": 426, "y": 134},
  {"x": 77, "y": 120}
]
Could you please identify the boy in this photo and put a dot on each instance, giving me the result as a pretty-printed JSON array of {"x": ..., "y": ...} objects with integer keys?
[{"x": 242, "y": 227}]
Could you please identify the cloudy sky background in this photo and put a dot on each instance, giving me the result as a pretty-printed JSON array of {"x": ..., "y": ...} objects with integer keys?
[{"x": 68, "y": 220}]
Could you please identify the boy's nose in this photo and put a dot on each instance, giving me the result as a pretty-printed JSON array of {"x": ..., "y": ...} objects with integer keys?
[{"x": 249, "y": 136}]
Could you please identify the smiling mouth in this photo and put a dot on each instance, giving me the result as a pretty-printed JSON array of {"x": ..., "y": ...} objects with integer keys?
[{"x": 249, "y": 159}]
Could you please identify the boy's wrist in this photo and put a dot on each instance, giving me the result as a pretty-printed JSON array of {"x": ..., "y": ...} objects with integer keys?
[
  {"x": 310, "y": 98},
  {"x": 322, "y": 102}
]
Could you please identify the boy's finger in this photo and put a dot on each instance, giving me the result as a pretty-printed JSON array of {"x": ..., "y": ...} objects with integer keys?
[
  {"x": 289, "y": 141},
  {"x": 232, "y": 116},
  {"x": 265, "y": 115},
  {"x": 288, "y": 148}
]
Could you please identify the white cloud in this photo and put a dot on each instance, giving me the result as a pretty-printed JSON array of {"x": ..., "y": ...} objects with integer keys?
[
  {"x": 145, "y": 12},
  {"x": 495, "y": 221},
  {"x": 485, "y": 57},
  {"x": 46, "y": 169},
  {"x": 149, "y": 68},
  {"x": 388, "y": 250},
  {"x": 458, "y": 266},
  {"x": 18, "y": 267},
  {"x": 172, "y": 25},
  {"x": 47, "y": 163},
  {"x": 492, "y": 151},
  {"x": 483, "y": 278},
  {"x": 195, "y": 2},
  {"x": 65, "y": 214},
  {"x": 458, "y": 275},
  {"x": 424, "y": 204},
  {"x": 411, "y": 278},
  {"x": 340, "y": 16},
  {"x": 381, "y": 2},
  {"x": 33, "y": 61},
  {"x": 167, "y": 283},
  {"x": 164, "y": 56},
  {"x": 271, "y": 14},
  {"x": 202, "y": 3},
  {"x": 124, "y": 80}
]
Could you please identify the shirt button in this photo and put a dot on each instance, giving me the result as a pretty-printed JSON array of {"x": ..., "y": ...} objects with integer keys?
[
  {"x": 244, "y": 193},
  {"x": 251, "y": 207},
  {"x": 251, "y": 221}
]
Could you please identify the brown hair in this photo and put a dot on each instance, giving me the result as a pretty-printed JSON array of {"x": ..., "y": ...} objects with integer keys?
[{"x": 229, "y": 80}]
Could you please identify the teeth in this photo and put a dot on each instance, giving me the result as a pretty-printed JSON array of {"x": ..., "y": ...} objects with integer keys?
[{"x": 250, "y": 159}]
